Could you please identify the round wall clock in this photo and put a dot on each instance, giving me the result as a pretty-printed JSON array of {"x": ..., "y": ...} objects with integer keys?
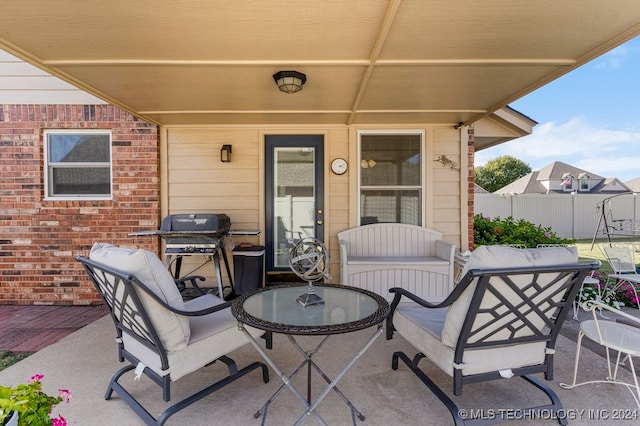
[{"x": 339, "y": 166}]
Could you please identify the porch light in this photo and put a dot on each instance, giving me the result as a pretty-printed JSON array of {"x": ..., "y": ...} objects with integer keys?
[
  {"x": 225, "y": 154},
  {"x": 290, "y": 81}
]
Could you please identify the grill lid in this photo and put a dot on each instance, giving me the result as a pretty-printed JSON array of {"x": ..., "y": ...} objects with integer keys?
[{"x": 207, "y": 229}]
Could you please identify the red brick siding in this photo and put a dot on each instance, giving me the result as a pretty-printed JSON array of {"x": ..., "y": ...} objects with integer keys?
[{"x": 39, "y": 239}]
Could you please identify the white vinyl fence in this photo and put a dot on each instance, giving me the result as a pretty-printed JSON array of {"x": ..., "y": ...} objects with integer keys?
[{"x": 575, "y": 216}]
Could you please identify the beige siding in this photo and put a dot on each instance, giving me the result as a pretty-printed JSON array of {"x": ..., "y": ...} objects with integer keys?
[{"x": 196, "y": 181}]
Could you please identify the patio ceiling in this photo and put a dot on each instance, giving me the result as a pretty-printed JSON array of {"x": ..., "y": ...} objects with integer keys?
[{"x": 367, "y": 61}]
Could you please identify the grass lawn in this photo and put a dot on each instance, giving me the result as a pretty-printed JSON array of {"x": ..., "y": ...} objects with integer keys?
[
  {"x": 587, "y": 254},
  {"x": 8, "y": 358}
]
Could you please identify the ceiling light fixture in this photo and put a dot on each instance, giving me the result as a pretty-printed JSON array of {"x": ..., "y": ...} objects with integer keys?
[{"x": 290, "y": 81}]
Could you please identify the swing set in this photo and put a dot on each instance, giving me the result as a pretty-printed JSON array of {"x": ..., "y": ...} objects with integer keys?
[{"x": 611, "y": 226}]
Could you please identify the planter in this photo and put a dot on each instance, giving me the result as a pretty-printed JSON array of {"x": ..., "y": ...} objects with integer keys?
[{"x": 13, "y": 420}]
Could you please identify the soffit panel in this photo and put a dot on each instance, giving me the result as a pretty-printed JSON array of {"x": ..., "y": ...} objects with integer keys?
[
  {"x": 390, "y": 61},
  {"x": 202, "y": 87},
  {"x": 196, "y": 29},
  {"x": 505, "y": 29},
  {"x": 446, "y": 87}
]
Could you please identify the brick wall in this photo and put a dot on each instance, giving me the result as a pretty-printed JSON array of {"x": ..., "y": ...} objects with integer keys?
[
  {"x": 471, "y": 183},
  {"x": 39, "y": 239}
]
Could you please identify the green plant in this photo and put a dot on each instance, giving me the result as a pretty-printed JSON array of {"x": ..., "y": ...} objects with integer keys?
[
  {"x": 603, "y": 293},
  {"x": 32, "y": 403},
  {"x": 487, "y": 231},
  {"x": 8, "y": 358}
]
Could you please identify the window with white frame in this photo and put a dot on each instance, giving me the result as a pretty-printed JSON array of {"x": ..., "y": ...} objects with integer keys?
[
  {"x": 391, "y": 187},
  {"x": 77, "y": 164},
  {"x": 584, "y": 184}
]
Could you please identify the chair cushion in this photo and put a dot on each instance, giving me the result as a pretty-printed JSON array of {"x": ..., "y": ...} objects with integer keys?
[
  {"x": 422, "y": 327},
  {"x": 212, "y": 336},
  {"x": 173, "y": 330},
  {"x": 485, "y": 257}
]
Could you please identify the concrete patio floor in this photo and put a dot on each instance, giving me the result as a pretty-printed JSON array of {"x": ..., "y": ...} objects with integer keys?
[{"x": 85, "y": 360}]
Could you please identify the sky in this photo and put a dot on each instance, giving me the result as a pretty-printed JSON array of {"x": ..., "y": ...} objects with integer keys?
[{"x": 589, "y": 118}]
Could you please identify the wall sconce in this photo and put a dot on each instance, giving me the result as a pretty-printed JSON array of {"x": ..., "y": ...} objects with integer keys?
[
  {"x": 225, "y": 154},
  {"x": 442, "y": 159},
  {"x": 367, "y": 164},
  {"x": 290, "y": 81}
]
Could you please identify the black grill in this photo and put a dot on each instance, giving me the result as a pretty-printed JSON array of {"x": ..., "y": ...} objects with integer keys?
[
  {"x": 197, "y": 234},
  {"x": 201, "y": 233}
]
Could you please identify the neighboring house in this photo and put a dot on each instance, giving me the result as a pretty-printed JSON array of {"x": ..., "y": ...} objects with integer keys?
[
  {"x": 562, "y": 178},
  {"x": 411, "y": 89},
  {"x": 633, "y": 184},
  {"x": 479, "y": 190}
]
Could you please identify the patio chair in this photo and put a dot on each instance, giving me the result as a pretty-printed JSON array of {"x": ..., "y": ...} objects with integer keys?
[
  {"x": 622, "y": 261},
  {"x": 159, "y": 334},
  {"x": 622, "y": 335},
  {"x": 501, "y": 320}
]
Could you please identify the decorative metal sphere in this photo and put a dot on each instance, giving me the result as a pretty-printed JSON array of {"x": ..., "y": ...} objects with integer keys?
[{"x": 309, "y": 259}]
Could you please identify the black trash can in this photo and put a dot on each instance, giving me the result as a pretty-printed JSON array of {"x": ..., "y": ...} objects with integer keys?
[{"x": 248, "y": 269}]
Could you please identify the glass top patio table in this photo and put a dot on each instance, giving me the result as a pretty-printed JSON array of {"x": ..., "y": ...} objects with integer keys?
[
  {"x": 345, "y": 309},
  {"x": 276, "y": 309}
]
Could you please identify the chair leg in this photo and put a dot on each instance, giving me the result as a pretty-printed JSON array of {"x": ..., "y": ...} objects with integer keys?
[
  {"x": 612, "y": 377},
  {"x": 451, "y": 406},
  {"x": 555, "y": 406},
  {"x": 148, "y": 419},
  {"x": 575, "y": 365}
]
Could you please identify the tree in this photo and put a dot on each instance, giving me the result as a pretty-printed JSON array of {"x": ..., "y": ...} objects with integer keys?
[{"x": 500, "y": 172}]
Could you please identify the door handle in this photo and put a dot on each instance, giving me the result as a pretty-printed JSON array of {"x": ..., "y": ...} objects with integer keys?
[{"x": 319, "y": 222}]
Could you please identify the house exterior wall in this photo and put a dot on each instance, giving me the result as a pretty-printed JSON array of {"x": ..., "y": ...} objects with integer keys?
[
  {"x": 194, "y": 180},
  {"x": 39, "y": 238},
  {"x": 178, "y": 170}
]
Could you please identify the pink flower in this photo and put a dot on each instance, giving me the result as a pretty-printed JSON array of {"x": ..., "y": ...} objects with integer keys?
[
  {"x": 59, "y": 421},
  {"x": 65, "y": 394},
  {"x": 36, "y": 378}
]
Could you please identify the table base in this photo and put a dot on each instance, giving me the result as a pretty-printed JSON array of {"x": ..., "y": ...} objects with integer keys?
[{"x": 309, "y": 363}]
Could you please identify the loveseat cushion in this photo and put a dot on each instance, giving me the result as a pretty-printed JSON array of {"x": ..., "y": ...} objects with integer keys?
[
  {"x": 486, "y": 257},
  {"x": 173, "y": 329}
]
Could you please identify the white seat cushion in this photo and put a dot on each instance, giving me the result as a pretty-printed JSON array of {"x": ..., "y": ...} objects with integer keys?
[
  {"x": 422, "y": 328},
  {"x": 435, "y": 332},
  {"x": 174, "y": 330},
  {"x": 486, "y": 257},
  {"x": 212, "y": 336}
]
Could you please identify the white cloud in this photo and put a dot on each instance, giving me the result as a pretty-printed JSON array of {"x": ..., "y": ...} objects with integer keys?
[
  {"x": 602, "y": 151},
  {"x": 614, "y": 58}
]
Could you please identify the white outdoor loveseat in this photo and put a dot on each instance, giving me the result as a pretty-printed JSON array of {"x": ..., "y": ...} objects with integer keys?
[{"x": 381, "y": 256}]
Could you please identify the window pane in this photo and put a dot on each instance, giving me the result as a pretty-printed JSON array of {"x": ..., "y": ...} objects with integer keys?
[
  {"x": 401, "y": 206},
  {"x": 70, "y": 148},
  {"x": 81, "y": 181},
  {"x": 390, "y": 160}
]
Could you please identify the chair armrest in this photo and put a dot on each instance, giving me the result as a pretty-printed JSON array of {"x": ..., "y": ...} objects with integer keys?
[
  {"x": 162, "y": 303},
  {"x": 593, "y": 305},
  {"x": 445, "y": 250},
  {"x": 399, "y": 292},
  {"x": 343, "y": 251},
  {"x": 181, "y": 283}
]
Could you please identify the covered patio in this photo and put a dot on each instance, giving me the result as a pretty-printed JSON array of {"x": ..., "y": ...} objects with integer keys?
[
  {"x": 203, "y": 73},
  {"x": 84, "y": 361}
]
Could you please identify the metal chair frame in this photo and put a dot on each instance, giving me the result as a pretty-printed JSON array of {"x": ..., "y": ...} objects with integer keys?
[
  {"x": 120, "y": 292},
  {"x": 601, "y": 331},
  {"x": 515, "y": 319}
]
